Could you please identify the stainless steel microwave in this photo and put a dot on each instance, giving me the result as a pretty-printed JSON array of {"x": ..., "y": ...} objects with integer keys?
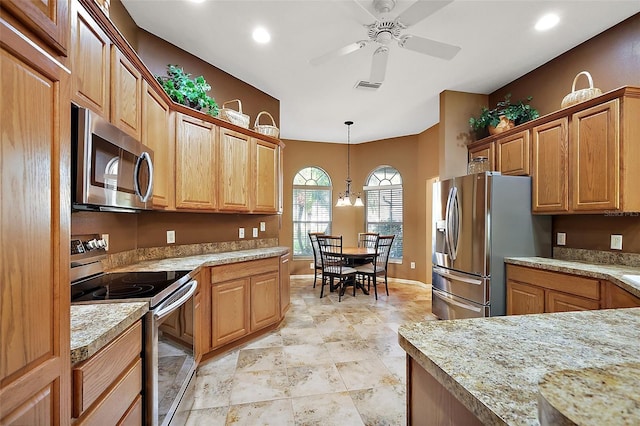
[{"x": 112, "y": 170}]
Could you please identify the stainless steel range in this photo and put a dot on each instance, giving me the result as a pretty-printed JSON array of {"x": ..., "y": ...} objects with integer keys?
[{"x": 168, "y": 356}]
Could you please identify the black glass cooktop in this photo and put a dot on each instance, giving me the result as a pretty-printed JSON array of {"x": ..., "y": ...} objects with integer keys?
[{"x": 124, "y": 285}]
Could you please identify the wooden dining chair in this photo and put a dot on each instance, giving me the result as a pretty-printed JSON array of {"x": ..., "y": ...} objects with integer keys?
[
  {"x": 333, "y": 266},
  {"x": 317, "y": 262},
  {"x": 379, "y": 265}
]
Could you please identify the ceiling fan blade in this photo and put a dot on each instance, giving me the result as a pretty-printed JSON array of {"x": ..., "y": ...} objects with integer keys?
[
  {"x": 419, "y": 11},
  {"x": 429, "y": 47},
  {"x": 379, "y": 64},
  {"x": 350, "y": 48}
]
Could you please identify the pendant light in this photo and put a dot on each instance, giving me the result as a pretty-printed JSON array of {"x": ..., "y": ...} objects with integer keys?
[{"x": 346, "y": 199}]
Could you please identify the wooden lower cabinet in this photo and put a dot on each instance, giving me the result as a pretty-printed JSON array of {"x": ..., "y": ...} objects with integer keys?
[
  {"x": 107, "y": 387},
  {"x": 245, "y": 297},
  {"x": 429, "y": 403},
  {"x": 532, "y": 291},
  {"x": 285, "y": 283}
]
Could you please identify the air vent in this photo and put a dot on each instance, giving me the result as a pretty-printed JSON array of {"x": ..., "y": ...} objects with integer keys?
[{"x": 362, "y": 84}]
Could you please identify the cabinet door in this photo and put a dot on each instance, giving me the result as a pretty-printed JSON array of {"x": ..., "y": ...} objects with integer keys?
[
  {"x": 484, "y": 150},
  {"x": 524, "y": 299},
  {"x": 48, "y": 19},
  {"x": 196, "y": 157},
  {"x": 90, "y": 62},
  {"x": 266, "y": 177},
  {"x": 595, "y": 158},
  {"x": 265, "y": 301},
  {"x": 614, "y": 297},
  {"x": 158, "y": 134},
  {"x": 34, "y": 234},
  {"x": 285, "y": 283},
  {"x": 512, "y": 154},
  {"x": 126, "y": 94},
  {"x": 562, "y": 302},
  {"x": 234, "y": 177},
  {"x": 550, "y": 162},
  {"x": 201, "y": 308},
  {"x": 229, "y": 311}
]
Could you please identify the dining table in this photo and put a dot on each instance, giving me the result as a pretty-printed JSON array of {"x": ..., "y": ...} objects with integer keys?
[{"x": 353, "y": 254}]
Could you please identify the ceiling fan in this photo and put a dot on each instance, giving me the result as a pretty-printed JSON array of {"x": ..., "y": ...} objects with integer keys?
[{"x": 386, "y": 29}]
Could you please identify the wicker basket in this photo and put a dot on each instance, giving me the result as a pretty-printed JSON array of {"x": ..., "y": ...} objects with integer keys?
[
  {"x": 266, "y": 129},
  {"x": 581, "y": 95},
  {"x": 233, "y": 116}
]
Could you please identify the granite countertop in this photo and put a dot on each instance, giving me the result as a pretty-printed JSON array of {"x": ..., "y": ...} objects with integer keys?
[
  {"x": 617, "y": 274},
  {"x": 493, "y": 365},
  {"x": 192, "y": 263},
  {"x": 93, "y": 326},
  {"x": 591, "y": 396}
]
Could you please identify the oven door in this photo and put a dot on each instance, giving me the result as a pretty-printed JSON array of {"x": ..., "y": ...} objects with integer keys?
[
  {"x": 169, "y": 355},
  {"x": 112, "y": 169}
]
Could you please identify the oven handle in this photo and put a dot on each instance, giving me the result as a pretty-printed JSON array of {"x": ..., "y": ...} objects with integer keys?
[{"x": 168, "y": 307}]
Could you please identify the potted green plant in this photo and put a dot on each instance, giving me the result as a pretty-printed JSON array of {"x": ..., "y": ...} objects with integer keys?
[
  {"x": 186, "y": 91},
  {"x": 504, "y": 116}
]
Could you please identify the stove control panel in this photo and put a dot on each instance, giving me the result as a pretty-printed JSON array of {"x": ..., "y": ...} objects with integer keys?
[{"x": 78, "y": 246}]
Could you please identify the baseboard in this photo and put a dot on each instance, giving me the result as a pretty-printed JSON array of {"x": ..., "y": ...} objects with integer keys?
[{"x": 395, "y": 280}]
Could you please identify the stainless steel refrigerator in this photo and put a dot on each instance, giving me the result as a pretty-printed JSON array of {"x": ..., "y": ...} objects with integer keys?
[{"x": 478, "y": 220}]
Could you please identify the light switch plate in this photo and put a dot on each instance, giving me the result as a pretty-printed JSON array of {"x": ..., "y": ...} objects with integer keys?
[
  {"x": 263, "y": 226},
  {"x": 561, "y": 239},
  {"x": 240, "y": 232},
  {"x": 413, "y": 265},
  {"x": 255, "y": 232},
  {"x": 616, "y": 242},
  {"x": 171, "y": 237}
]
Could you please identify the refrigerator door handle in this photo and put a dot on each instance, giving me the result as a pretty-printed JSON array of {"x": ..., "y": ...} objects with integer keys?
[
  {"x": 447, "y": 274},
  {"x": 451, "y": 301},
  {"x": 452, "y": 217}
]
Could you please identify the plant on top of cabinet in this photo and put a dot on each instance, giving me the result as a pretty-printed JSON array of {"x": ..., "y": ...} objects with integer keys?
[
  {"x": 504, "y": 116},
  {"x": 186, "y": 91}
]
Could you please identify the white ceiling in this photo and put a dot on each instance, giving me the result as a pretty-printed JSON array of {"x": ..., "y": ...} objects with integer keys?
[{"x": 498, "y": 41}]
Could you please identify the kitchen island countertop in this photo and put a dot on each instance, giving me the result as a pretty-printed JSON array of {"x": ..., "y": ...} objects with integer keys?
[
  {"x": 95, "y": 325},
  {"x": 493, "y": 365}
]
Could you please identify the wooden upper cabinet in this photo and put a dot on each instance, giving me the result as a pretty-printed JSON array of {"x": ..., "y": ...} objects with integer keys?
[
  {"x": 595, "y": 158},
  {"x": 90, "y": 62},
  {"x": 512, "y": 154},
  {"x": 266, "y": 177},
  {"x": 196, "y": 159},
  {"x": 486, "y": 150},
  {"x": 35, "y": 369},
  {"x": 126, "y": 94},
  {"x": 159, "y": 135},
  {"x": 234, "y": 177},
  {"x": 49, "y": 20},
  {"x": 550, "y": 167}
]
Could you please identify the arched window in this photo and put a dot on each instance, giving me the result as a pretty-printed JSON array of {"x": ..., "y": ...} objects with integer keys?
[
  {"x": 383, "y": 194},
  {"x": 311, "y": 207}
]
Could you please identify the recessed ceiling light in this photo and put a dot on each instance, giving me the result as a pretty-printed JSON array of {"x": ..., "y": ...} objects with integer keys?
[
  {"x": 548, "y": 21},
  {"x": 261, "y": 35}
]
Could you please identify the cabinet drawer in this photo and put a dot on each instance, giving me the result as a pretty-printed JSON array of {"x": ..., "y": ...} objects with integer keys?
[
  {"x": 94, "y": 376},
  {"x": 579, "y": 286},
  {"x": 243, "y": 269},
  {"x": 119, "y": 403}
]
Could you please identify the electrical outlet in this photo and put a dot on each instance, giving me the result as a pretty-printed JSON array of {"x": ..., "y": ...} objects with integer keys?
[
  {"x": 240, "y": 232},
  {"x": 413, "y": 265},
  {"x": 171, "y": 237},
  {"x": 105, "y": 238},
  {"x": 561, "y": 239},
  {"x": 616, "y": 242},
  {"x": 255, "y": 232},
  {"x": 263, "y": 226},
  {"x": 311, "y": 265}
]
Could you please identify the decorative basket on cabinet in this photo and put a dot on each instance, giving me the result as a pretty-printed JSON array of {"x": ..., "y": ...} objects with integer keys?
[
  {"x": 581, "y": 95},
  {"x": 233, "y": 116},
  {"x": 266, "y": 129}
]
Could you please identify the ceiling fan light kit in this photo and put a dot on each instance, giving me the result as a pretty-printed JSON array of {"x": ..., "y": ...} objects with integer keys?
[{"x": 386, "y": 29}]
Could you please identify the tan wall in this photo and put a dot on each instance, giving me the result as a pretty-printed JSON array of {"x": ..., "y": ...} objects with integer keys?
[
  {"x": 613, "y": 59},
  {"x": 127, "y": 26},
  {"x": 415, "y": 157}
]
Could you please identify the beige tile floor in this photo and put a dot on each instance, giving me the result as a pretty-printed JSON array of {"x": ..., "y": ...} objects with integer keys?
[{"x": 329, "y": 363}]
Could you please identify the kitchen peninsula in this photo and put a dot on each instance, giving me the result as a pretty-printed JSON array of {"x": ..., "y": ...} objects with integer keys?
[{"x": 487, "y": 370}]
